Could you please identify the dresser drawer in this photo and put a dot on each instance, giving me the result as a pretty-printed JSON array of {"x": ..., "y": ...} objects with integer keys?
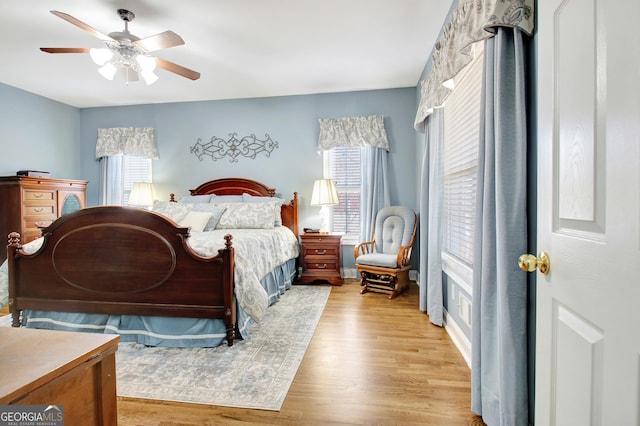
[
  {"x": 29, "y": 236},
  {"x": 32, "y": 195},
  {"x": 30, "y": 210},
  {"x": 35, "y": 222}
]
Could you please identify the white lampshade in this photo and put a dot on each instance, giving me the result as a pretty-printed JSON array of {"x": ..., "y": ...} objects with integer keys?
[
  {"x": 147, "y": 63},
  {"x": 324, "y": 193},
  {"x": 149, "y": 77},
  {"x": 142, "y": 194},
  {"x": 130, "y": 61},
  {"x": 100, "y": 56},
  {"x": 108, "y": 71}
]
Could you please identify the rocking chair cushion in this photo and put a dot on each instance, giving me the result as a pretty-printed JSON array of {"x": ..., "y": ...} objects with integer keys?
[{"x": 378, "y": 259}]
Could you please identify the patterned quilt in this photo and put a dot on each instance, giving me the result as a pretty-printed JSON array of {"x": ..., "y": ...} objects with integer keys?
[{"x": 257, "y": 252}]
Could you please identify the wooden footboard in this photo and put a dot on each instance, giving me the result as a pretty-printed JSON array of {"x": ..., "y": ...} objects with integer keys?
[{"x": 121, "y": 260}]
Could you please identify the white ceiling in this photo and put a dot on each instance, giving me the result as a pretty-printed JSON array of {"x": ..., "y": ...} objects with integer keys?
[{"x": 242, "y": 48}]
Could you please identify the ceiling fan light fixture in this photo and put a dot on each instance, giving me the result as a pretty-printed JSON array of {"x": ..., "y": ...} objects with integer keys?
[
  {"x": 127, "y": 52},
  {"x": 149, "y": 77},
  {"x": 108, "y": 71},
  {"x": 146, "y": 62},
  {"x": 101, "y": 56}
]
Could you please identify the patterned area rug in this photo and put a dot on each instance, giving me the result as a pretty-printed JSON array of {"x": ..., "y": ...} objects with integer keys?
[{"x": 253, "y": 373}]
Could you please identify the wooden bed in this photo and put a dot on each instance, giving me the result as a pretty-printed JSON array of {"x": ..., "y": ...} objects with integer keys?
[{"x": 128, "y": 261}]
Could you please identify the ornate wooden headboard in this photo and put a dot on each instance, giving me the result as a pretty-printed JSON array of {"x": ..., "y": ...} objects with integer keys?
[{"x": 239, "y": 186}]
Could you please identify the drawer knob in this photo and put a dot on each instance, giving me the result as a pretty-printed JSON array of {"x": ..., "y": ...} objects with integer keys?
[
  {"x": 323, "y": 266},
  {"x": 321, "y": 251}
]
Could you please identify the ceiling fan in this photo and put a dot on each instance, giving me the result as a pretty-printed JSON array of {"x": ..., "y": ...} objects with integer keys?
[{"x": 127, "y": 52}]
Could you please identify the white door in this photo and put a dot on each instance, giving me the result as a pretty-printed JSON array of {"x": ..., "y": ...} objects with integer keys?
[{"x": 588, "y": 306}]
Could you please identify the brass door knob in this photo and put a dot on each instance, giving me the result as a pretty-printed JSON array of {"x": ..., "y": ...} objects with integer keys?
[{"x": 530, "y": 263}]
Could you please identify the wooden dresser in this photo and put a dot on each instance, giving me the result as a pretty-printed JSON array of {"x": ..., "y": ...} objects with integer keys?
[
  {"x": 321, "y": 258},
  {"x": 28, "y": 203},
  {"x": 74, "y": 370}
]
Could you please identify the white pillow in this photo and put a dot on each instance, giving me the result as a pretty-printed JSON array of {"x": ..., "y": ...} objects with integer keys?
[
  {"x": 195, "y": 199},
  {"x": 225, "y": 198},
  {"x": 196, "y": 220}
]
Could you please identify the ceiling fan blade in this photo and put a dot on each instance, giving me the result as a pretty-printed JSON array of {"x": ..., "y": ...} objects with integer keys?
[
  {"x": 160, "y": 41},
  {"x": 65, "y": 49},
  {"x": 82, "y": 25},
  {"x": 178, "y": 69}
]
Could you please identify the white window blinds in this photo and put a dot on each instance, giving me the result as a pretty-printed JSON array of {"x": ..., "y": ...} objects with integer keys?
[
  {"x": 135, "y": 169},
  {"x": 461, "y": 130},
  {"x": 342, "y": 164}
]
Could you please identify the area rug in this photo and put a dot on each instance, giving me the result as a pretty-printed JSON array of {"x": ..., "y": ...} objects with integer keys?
[{"x": 253, "y": 373}]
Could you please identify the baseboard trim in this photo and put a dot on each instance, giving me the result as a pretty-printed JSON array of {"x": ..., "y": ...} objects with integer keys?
[
  {"x": 458, "y": 337},
  {"x": 350, "y": 273}
]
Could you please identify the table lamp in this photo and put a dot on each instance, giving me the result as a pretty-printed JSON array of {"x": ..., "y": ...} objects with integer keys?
[
  {"x": 142, "y": 194},
  {"x": 324, "y": 194}
]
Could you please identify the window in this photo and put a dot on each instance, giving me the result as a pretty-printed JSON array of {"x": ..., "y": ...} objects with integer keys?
[
  {"x": 134, "y": 169},
  {"x": 118, "y": 174},
  {"x": 461, "y": 141},
  {"x": 342, "y": 164}
]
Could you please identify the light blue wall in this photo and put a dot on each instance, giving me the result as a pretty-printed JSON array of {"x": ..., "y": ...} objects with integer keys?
[
  {"x": 290, "y": 120},
  {"x": 41, "y": 134},
  {"x": 38, "y": 134}
]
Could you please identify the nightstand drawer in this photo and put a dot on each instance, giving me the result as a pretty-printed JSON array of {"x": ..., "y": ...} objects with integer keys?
[
  {"x": 328, "y": 264},
  {"x": 320, "y": 250},
  {"x": 320, "y": 239}
]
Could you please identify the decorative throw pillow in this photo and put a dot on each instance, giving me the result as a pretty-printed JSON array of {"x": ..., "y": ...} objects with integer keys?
[
  {"x": 196, "y": 220},
  {"x": 174, "y": 211},
  {"x": 277, "y": 220},
  {"x": 247, "y": 216},
  {"x": 216, "y": 213}
]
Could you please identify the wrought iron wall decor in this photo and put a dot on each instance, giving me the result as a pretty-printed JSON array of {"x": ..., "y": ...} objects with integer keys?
[{"x": 247, "y": 146}]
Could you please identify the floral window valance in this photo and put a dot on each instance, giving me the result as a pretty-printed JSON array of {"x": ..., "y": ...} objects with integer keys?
[
  {"x": 352, "y": 131},
  {"x": 470, "y": 22},
  {"x": 137, "y": 141}
]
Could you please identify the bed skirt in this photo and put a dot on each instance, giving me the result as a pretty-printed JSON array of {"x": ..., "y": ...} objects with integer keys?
[{"x": 164, "y": 331}]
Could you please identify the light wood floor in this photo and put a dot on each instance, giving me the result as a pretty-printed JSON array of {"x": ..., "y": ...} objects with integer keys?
[{"x": 372, "y": 361}]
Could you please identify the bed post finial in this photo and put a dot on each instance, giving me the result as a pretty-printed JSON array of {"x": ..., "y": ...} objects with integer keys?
[
  {"x": 14, "y": 240},
  {"x": 227, "y": 239},
  {"x": 172, "y": 198}
]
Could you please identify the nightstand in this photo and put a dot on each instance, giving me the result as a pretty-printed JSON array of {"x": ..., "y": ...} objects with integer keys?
[{"x": 321, "y": 258}]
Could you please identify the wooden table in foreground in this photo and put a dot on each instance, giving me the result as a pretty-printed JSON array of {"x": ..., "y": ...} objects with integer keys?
[{"x": 69, "y": 369}]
